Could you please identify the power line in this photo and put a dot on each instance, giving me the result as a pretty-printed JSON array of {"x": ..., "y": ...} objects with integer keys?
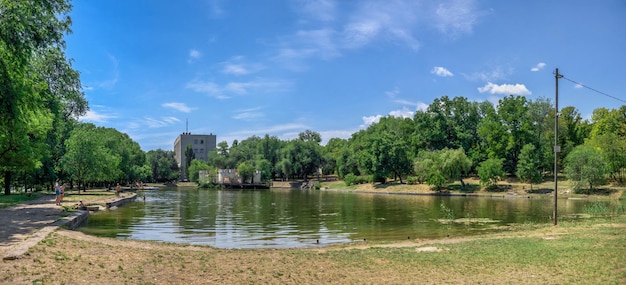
[{"x": 592, "y": 89}]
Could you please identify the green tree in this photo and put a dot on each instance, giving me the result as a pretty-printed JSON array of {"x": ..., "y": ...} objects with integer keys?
[
  {"x": 310, "y": 136},
  {"x": 195, "y": 167},
  {"x": 385, "y": 149},
  {"x": 528, "y": 169},
  {"x": 613, "y": 148},
  {"x": 585, "y": 166},
  {"x": 423, "y": 164},
  {"x": 490, "y": 172},
  {"x": 454, "y": 164},
  {"x": 189, "y": 156},
  {"x": 162, "y": 164},
  {"x": 28, "y": 30},
  {"x": 88, "y": 159},
  {"x": 246, "y": 172}
]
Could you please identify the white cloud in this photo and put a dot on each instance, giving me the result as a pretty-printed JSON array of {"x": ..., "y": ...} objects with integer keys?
[
  {"x": 297, "y": 127},
  {"x": 382, "y": 20},
  {"x": 239, "y": 88},
  {"x": 249, "y": 114},
  {"x": 538, "y": 67},
  {"x": 497, "y": 73},
  {"x": 342, "y": 134},
  {"x": 182, "y": 107},
  {"x": 441, "y": 71},
  {"x": 404, "y": 113},
  {"x": 306, "y": 44},
  {"x": 419, "y": 106},
  {"x": 194, "y": 55},
  {"x": 93, "y": 116},
  {"x": 505, "y": 89},
  {"x": 114, "y": 77},
  {"x": 369, "y": 120},
  {"x": 578, "y": 86},
  {"x": 238, "y": 66},
  {"x": 393, "y": 93},
  {"x": 158, "y": 123},
  {"x": 456, "y": 17},
  {"x": 216, "y": 11},
  {"x": 236, "y": 69},
  {"x": 319, "y": 10}
]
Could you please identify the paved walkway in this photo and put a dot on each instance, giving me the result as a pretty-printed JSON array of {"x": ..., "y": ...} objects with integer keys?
[{"x": 19, "y": 222}]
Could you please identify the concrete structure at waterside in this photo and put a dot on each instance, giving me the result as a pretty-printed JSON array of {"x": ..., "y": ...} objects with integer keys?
[
  {"x": 201, "y": 145},
  {"x": 230, "y": 178},
  {"x": 226, "y": 176}
]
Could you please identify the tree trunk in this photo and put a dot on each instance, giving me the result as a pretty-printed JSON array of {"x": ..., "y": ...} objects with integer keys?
[
  {"x": 462, "y": 183},
  {"x": 7, "y": 182}
]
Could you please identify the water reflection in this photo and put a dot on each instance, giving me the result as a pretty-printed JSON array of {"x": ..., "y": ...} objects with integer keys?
[{"x": 294, "y": 218}]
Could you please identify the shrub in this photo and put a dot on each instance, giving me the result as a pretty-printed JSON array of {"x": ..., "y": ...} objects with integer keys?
[
  {"x": 411, "y": 180},
  {"x": 349, "y": 179}
]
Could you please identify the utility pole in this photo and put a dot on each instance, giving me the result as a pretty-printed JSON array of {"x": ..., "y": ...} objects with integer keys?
[{"x": 557, "y": 148}]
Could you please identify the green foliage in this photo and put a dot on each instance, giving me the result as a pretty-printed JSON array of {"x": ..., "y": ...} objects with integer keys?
[
  {"x": 454, "y": 164},
  {"x": 163, "y": 165},
  {"x": 490, "y": 172},
  {"x": 195, "y": 167},
  {"x": 349, "y": 179},
  {"x": 189, "y": 157},
  {"x": 88, "y": 158},
  {"x": 411, "y": 180},
  {"x": 613, "y": 148},
  {"x": 585, "y": 166},
  {"x": 246, "y": 172},
  {"x": 352, "y": 179},
  {"x": 436, "y": 179},
  {"x": 597, "y": 209},
  {"x": 385, "y": 149},
  {"x": 448, "y": 213},
  {"x": 34, "y": 78},
  {"x": 528, "y": 165}
]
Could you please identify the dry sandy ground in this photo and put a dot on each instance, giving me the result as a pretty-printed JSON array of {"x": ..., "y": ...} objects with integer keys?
[{"x": 69, "y": 257}]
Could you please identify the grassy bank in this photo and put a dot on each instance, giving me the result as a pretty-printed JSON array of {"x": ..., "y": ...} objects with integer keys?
[
  {"x": 584, "y": 252},
  {"x": 17, "y": 198}
]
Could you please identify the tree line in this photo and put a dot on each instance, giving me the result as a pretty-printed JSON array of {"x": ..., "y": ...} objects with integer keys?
[
  {"x": 451, "y": 139},
  {"x": 41, "y": 139}
]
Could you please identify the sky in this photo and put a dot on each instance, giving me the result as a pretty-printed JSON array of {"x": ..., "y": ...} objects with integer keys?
[{"x": 154, "y": 69}]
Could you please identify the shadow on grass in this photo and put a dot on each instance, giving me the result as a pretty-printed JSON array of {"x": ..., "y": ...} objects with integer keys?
[
  {"x": 469, "y": 188},
  {"x": 499, "y": 188},
  {"x": 598, "y": 191},
  {"x": 540, "y": 191}
]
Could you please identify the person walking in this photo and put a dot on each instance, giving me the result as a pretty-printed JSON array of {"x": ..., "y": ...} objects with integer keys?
[
  {"x": 118, "y": 189},
  {"x": 57, "y": 192},
  {"x": 62, "y": 193}
]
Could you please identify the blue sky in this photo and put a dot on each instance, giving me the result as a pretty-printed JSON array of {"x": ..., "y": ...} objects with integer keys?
[{"x": 243, "y": 68}]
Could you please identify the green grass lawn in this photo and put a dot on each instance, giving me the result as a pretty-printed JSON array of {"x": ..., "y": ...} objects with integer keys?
[{"x": 17, "y": 198}]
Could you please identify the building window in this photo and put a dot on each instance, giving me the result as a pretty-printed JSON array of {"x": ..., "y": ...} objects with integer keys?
[
  {"x": 201, "y": 141},
  {"x": 195, "y": 141},
  {"x": 202, "y": 150}
]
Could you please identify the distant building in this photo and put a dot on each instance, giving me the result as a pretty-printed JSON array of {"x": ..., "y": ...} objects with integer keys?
[{"x": 201, "y": 145}]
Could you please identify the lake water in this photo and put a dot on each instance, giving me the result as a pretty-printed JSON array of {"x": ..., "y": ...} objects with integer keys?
[{"x": 280, "y": 218}]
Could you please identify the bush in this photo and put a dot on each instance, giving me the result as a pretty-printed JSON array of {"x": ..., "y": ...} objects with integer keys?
[
  {"x": 352, "y": 179},
  {"x": 380, "y": 179},
  {"x": 411, "y": 180},
  {"x": 349, "y": 179}
]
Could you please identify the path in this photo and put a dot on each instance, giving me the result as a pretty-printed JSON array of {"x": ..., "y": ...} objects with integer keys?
[{"x": 28, "y": 223}]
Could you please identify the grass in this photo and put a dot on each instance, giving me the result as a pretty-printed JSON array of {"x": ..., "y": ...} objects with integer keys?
[
  {"x": 588, "y": 251},
  {"x": 17, "y": 198}
]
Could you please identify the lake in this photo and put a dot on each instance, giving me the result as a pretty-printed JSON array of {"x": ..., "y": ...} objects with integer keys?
[{"x": 281, "y": 218}]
